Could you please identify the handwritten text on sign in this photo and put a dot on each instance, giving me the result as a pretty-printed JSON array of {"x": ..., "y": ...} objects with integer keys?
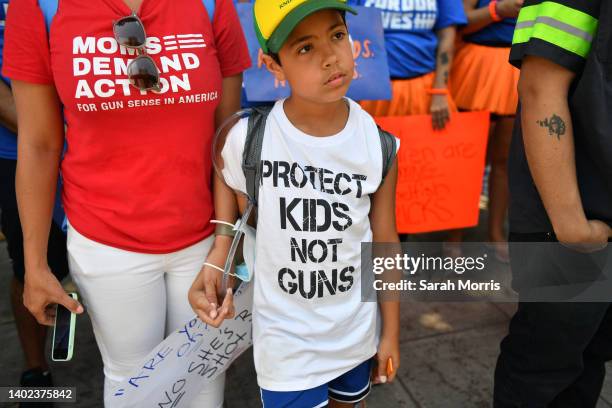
[
  {"x": 179, "y": 367},
  {"x": 371, "y": 76},
  {"x": 440, "y": 172}
]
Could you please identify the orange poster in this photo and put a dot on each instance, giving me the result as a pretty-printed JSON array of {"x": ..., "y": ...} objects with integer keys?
[{"x": 440, "y": 172}]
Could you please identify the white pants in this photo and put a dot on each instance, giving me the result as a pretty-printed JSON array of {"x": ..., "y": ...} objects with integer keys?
[{"x": 134, "y": 301}]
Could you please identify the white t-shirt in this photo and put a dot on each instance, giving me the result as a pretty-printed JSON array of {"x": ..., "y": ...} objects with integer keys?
[{"x": 309, "y": 323}]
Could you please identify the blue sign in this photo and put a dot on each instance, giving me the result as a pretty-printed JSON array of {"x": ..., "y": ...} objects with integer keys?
[{"x": 371, "y": 78}]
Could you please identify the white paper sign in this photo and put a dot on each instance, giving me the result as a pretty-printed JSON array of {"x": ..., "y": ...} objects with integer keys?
[{"x": 178, "y": 368}]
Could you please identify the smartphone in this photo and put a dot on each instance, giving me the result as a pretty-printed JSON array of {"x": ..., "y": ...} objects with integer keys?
[{"x": 63, "y": 333}]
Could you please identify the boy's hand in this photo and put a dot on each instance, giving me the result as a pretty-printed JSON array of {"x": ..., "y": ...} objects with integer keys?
[
  {"x": 387, "y": 349},
  {"x": 205, "y": 292},
  {"x": 440, "y": 113}
]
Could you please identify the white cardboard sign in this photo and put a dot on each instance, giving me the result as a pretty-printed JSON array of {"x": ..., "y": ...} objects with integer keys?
[{"x": 177, "y": 369}]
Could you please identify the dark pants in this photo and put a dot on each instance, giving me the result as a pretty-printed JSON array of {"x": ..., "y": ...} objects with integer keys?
[
  {"x": 11, "y": 228},
  {"x": 554, "y": 354}
]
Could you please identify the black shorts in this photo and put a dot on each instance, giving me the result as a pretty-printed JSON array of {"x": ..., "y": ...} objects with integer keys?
[{"x": 11, "y": 228}]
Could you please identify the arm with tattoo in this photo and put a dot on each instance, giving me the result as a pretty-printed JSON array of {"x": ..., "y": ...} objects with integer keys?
[
  {"x": 444, "y": 58},
  {"x": 549, "y": 146}
]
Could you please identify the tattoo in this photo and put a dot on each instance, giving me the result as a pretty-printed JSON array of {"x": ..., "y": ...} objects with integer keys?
[
  {"x": 444, "y": 58},
  {"x": 446, "y": 76},
  {"x": 554, "y": 124}
]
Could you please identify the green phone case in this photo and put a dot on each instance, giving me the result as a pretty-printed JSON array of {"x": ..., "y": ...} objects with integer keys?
[{"x": 70, "y": 336}]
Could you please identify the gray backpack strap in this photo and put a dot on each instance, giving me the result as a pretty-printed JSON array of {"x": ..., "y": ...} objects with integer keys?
[
  {"x": 251, "y": 157},
  {"x": 388, "y": 146}
]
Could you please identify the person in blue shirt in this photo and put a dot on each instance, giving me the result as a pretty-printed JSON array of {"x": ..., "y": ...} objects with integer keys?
[
  {"x": 31, "y": 334},
  {"x": 419, "y": 39},
  {"x": 420, "y": 44},
  {"x": 244, "y": 101},
  {"x": 482, "y": 79}
]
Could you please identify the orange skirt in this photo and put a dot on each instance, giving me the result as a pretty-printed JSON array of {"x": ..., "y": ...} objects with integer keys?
[
  {"x": 483, "y": 79},
  {"x": 409, "y": 97}
]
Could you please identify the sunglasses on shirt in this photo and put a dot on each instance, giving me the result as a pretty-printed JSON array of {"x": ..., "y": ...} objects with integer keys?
[{"x": 142, "y": 71}]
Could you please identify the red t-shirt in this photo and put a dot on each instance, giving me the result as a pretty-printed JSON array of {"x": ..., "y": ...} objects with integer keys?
[{"x": 137, "y": 172}]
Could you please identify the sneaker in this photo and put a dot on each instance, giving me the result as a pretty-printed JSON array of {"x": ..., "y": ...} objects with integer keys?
[{"x": 36, "y": 378}]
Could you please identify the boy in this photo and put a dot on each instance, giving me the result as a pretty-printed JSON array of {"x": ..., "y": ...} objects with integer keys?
[{"x": 322, "y": 194}]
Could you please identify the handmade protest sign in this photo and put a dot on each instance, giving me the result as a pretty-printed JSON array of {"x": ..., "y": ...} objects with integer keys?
[
  {"x": 440, "y": 172},
  {"x": 176, "y": 370},
  {"x": 371, "y": 77}
]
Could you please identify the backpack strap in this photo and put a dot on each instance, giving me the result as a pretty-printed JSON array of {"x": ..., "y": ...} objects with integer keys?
[
  {"x": 388, "y": 146},
  {"x": 210, "y": 8},
  {"x": 49, "y": 9},
  {"x": 251, "y": 157}
]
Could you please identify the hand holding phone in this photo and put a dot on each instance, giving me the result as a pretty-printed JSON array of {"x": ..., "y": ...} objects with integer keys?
[{"x": 63, "y": 332}]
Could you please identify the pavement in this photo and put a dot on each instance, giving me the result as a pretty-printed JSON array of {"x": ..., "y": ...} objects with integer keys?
[{"x": 448, "y": 356}]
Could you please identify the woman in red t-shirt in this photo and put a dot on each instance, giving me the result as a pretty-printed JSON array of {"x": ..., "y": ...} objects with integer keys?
[{"x": 137, "y": 169}]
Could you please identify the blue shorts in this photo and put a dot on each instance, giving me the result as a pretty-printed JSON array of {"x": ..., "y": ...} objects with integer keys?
[{"x": 351, "y": 387}]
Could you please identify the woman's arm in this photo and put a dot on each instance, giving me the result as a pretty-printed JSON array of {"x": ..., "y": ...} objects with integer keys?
[
  {"x": 40, "y": 144},
  {"x": 479, "y": 18},
  {"x": 226, "y": 208},
  {"x": 230, "y": 98},
  {"x": 439, "y": 103},
  {"x": 204, "y": 295},
  {"x": 382, "y": 220}
]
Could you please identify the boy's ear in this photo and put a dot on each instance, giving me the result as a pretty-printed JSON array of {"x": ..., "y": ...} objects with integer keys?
[{"x": 274, "y": 67}]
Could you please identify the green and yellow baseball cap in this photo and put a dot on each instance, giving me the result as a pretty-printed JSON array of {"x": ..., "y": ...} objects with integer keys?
[{"x": 274, "y": 20}]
